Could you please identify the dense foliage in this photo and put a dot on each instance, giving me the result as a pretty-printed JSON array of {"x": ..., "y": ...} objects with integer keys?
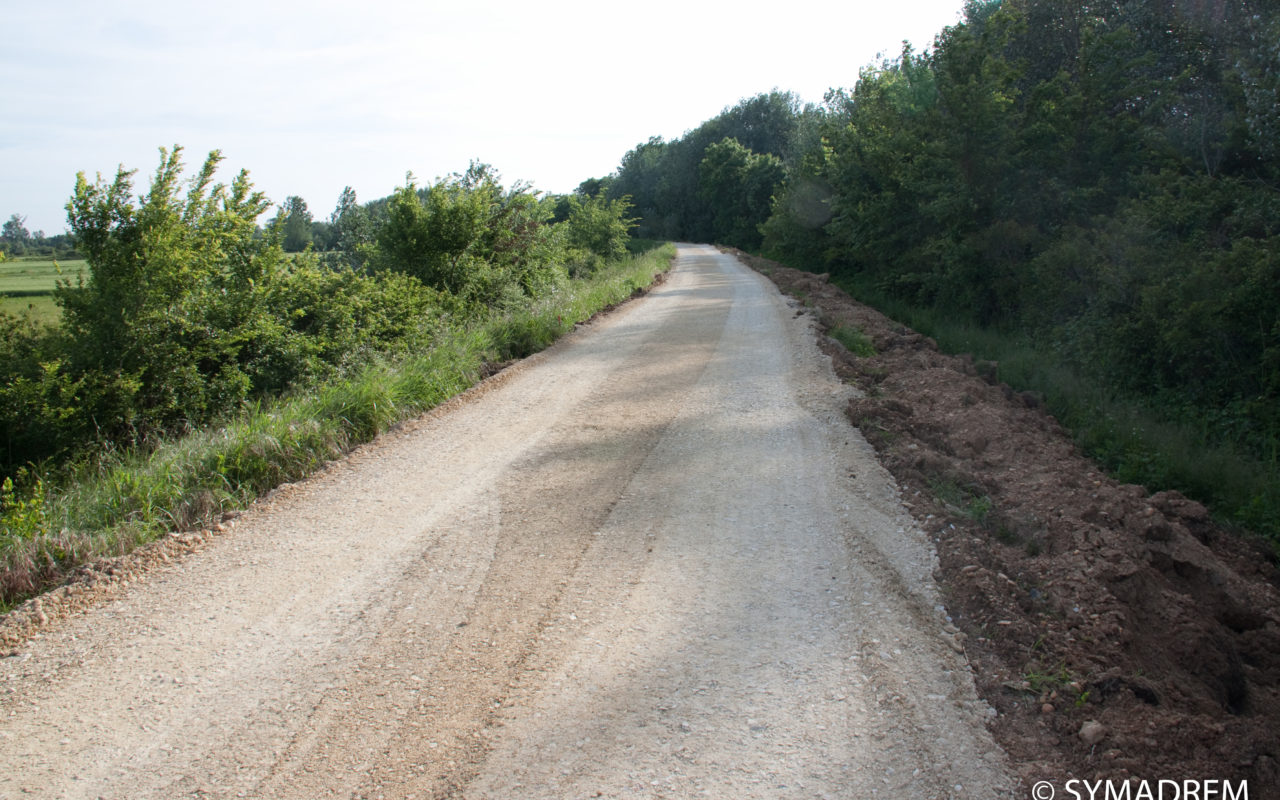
[
  {"x": 714, "y": 184},
  {"x": 191, "y": 311},
  {"x": 1100, "y": 179},
  {"x": 1098, "y": 176},
  {"x": 470, "y": 238}
]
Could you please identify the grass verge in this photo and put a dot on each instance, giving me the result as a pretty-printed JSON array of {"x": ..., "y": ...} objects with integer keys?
[
  {"x": 1129, "y": 439},
  {"x": 126, "y": 499}
]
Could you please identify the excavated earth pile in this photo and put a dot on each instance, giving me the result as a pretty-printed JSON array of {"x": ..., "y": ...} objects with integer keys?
[{"x": 1119, "y": 634}]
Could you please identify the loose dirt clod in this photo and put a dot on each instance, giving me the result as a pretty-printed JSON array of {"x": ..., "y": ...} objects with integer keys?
[
  {"x": 1092, "y": 732},
  {"x": 1099, "y": 599}
]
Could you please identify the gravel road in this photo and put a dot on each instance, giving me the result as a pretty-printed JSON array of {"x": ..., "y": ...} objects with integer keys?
[{"x": 655, "y": 561}]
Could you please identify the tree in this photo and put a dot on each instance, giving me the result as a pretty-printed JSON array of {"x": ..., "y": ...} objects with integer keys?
[
  {"x": 1260, "y": 69},
  {"x": 763, "y": 124},
  {"x": 15, "y": 235},
  {"x": 592, "y": 187},
  {"x": 600, "y": 226},
  {"x": 639, "y": 177},
  {"x": 352, "y": 227},
  {"x": 739, "y": 186},
  {"x": 295, "y": 221},
  {"x": 161, "y": 332}
]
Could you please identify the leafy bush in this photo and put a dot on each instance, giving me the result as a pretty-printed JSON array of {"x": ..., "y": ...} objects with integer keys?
[
  {"x": 467, "y": 237},
  {"x": 330, "y": 319},
  {"x": 188, "y": 312},
  {"x": 599, "y": 227},
  {"x": 158, "y": 330}
]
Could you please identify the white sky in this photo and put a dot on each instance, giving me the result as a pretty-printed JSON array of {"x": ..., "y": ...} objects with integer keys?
[{"x": 311, "y": 97}]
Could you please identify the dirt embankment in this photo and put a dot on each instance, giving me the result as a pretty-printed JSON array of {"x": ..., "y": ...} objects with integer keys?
[{"x": 1084, "y": 600}]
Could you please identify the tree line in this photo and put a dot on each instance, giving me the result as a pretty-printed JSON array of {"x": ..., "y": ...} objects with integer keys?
[
  {"x": 1098, "y": 177},
  {"x": 16, "y": 240},
  {"x": 190, "y": 309}
]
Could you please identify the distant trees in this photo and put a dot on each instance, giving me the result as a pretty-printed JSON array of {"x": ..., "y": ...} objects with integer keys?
[
  {"x": 16, "y": 240},
  {"x": 739, "y": 186},
  {"x": 352, "y": 228},
  {"x": 14, "y": 234},
  {"x": 1100, "y": 177},
  {"x": 641, "y": 177},
  {"x": 295, "y": 223},
  {"x": 677, "y": 194}
]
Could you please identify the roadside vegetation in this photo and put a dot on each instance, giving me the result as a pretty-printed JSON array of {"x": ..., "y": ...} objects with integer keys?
[
  {"x": 1134, "y": 439},
  {"x": 1087, "y": 193},
  {"x": 196, "y": 365}
]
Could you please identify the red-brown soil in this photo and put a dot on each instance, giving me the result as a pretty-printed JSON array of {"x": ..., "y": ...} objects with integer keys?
[{"x": 1083, "y": 600}]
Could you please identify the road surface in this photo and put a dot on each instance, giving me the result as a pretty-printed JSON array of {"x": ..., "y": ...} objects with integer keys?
[{"x": 655, "y": 561}]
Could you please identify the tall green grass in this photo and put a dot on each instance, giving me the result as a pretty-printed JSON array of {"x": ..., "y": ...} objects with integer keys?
[
  {"x": 1135, "y": 442},
  {"x": 854, "y": 340},
  {"x": 127, "y": 498}
]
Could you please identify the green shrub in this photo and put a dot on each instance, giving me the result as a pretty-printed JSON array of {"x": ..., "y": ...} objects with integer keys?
[
  {"x": 470, "y": 238},
  {"x": 188, "y": 313},
  {"x": 599, "y": 227}
]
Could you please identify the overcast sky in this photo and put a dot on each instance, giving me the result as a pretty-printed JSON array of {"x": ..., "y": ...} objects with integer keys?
[{"x": 311, "y": 97}]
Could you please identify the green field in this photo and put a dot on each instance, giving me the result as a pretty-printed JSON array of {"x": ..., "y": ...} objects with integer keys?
[
  {"x": 36, "y": 276},
  {"x": 41, "y": 307},
  {"x": 26, "y": 284}
]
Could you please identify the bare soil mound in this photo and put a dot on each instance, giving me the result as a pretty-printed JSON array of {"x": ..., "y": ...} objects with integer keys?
[{"x": 1119, "y": 634}]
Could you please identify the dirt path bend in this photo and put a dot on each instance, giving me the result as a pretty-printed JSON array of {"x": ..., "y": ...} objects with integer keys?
[{"x": 655, "y": 561}]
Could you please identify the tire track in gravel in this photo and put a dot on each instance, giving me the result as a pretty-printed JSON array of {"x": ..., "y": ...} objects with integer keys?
[{"x": 654, "y": 561}]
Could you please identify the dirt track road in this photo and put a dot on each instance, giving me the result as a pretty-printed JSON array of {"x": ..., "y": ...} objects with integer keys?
[{"x": 654, "y": 562}]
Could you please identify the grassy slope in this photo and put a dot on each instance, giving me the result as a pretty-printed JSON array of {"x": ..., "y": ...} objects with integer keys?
[{"x": 127, "y": 499}]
